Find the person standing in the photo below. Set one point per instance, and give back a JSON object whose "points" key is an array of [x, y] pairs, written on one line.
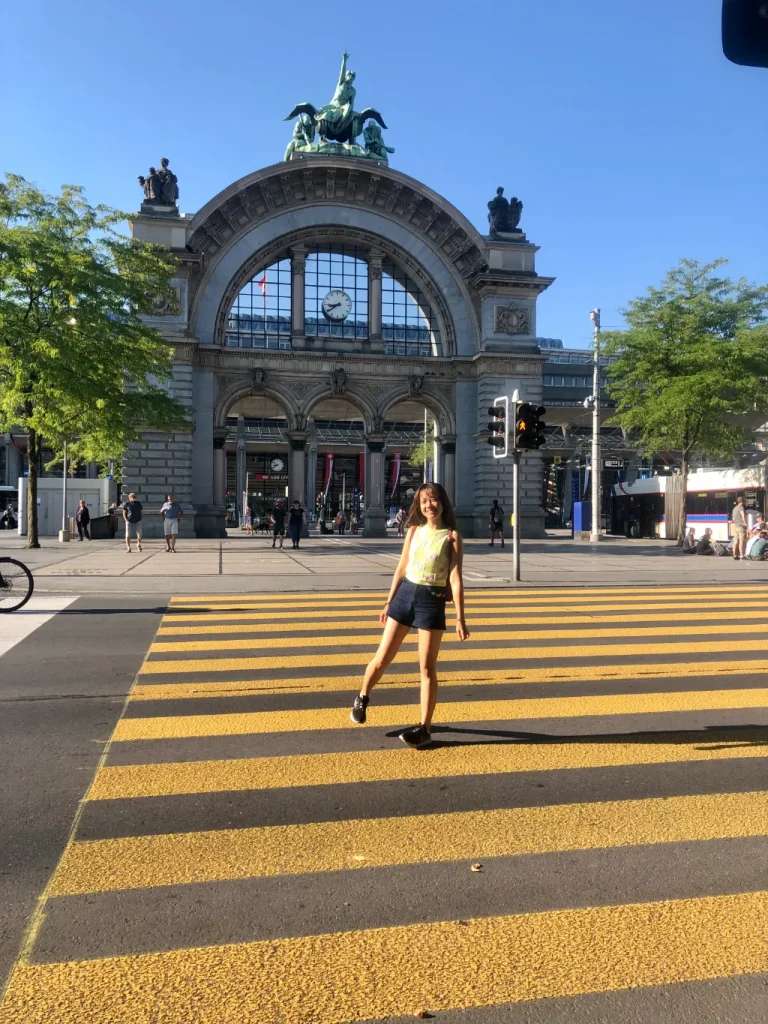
{"points": [[739, 521], [171, 511], [248, 519], [82, 519], [496, 522], [133, 511], [278, 523], [428, 571], [295, 523]]}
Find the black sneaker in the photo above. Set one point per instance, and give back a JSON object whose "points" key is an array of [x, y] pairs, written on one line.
{"points": [[357, 714], [416, 736]]}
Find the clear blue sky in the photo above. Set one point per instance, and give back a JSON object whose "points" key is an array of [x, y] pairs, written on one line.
{"points": [[628, 136]]}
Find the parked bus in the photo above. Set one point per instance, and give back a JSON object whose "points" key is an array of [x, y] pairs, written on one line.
{"points": [[646, 508]]}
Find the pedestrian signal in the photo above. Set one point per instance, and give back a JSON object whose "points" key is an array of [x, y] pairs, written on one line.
{"points": [[497, 427], [529, 426]]}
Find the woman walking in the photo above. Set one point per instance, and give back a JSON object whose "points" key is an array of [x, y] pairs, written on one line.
{"points": [[430, 563]]}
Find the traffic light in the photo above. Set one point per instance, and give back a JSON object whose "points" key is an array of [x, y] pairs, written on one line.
{"points": [[529, 427], [497, 427]]}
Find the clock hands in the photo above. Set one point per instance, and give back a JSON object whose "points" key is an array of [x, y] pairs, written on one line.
{"points": [[331, 305]]}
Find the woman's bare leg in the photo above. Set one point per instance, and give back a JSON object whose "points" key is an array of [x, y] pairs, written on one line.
{"points": [[429, 647], [391, 639]]}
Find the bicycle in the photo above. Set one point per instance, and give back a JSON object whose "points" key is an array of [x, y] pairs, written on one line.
{"points": [[16, 585]]}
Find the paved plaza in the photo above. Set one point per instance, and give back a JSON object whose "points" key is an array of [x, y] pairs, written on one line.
{"points": [[583, 840], [245, 564]]}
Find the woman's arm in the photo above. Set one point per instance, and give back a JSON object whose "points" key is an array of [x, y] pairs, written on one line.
{"points": [[457, 585], [399, 574]]}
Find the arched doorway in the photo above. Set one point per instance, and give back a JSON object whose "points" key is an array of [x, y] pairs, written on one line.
{"points": [[256, 457], [336, 463]]}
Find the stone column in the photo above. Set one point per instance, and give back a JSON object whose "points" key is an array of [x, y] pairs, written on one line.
{"points": [[438, 471], [311, 473], [219, 468], [298, 261], [448, 446], [375, 514], [296, 466], [240, 476], [375, 259]]}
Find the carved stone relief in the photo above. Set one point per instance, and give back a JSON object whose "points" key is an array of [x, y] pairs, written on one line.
{"points": [[512, 320]]}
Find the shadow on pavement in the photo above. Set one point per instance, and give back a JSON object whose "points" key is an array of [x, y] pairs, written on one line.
{"points": [[721, 737]]}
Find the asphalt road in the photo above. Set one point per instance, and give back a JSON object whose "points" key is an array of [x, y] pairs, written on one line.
{"points": [[584, 840]]}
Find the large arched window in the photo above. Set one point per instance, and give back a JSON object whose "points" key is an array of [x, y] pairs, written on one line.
{"points": [[336, 293], [260, 316], [336, 305], [407, 323]]}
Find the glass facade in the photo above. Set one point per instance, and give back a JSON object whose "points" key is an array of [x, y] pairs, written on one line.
{"points": [[260, 316], [406, 317], [339, 269]]}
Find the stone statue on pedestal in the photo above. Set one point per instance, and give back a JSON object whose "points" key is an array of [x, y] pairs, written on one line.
{"points": [[337, 124], [503, 214], [161, 189]]}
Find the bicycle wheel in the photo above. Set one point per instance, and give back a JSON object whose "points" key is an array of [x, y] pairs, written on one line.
{"points": [[16, 584]]}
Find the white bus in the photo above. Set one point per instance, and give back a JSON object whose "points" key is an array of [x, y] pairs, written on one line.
{"points": [[646, 508]]}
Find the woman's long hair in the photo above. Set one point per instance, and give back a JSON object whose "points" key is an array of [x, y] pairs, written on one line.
{"points": [[448, 516]]}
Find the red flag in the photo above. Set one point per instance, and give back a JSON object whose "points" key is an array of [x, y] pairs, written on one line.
{"points": [[262, 283]]}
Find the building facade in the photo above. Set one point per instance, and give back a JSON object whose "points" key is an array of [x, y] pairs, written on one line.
{"points": [[324, 305]]}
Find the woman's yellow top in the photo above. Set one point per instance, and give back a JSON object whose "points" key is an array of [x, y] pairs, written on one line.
{"points": [[429, 557]]}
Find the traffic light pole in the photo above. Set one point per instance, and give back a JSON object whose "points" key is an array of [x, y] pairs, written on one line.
{"points": [[516, 515], [594, 535]]}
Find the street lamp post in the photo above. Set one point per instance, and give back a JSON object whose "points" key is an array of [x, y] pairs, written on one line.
{"points": [[594, 535], [64, 532]]}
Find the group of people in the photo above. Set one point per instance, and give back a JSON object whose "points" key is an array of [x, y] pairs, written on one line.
{"points": [[278, 518], [132, 511], [749, 542], [342, 521]]}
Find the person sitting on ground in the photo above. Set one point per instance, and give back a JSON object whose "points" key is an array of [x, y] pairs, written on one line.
{"points": [[689, 542], [704, 546], [758, 552]]}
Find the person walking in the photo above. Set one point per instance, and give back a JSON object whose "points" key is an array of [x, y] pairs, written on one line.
{"points": [[341, 522], [400, 518], [82, 520], [171, 511], [278, 523], [739, 521], [133, 511], [496, 522], [295, 523], [248, 520], [429, 571]]}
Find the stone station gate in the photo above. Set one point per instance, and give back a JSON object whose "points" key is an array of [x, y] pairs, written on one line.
{"points": [[327, 288]]}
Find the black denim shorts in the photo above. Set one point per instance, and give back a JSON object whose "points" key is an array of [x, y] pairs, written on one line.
{"points": [[422, 607]]}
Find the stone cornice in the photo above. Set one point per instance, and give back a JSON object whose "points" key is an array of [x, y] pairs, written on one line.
{"points": [[361, 365], [338, 182]]}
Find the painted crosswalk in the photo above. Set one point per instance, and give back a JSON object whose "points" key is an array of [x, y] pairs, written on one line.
{"points": [[591, 816]]}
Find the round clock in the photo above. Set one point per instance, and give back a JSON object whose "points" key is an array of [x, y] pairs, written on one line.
{"points": [[337, 305], [277, 465]]}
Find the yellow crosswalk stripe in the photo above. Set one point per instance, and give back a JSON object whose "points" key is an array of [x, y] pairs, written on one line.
{"points": [[399, 971], [301, 597], [463, 652], [356, 637], [331, 615], [121, 782], [369, 624], [178, 726], [184, 858]]}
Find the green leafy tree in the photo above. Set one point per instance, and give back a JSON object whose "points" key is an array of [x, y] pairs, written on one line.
{"points": [[690, 371], [424, 452], [78, 365]]}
